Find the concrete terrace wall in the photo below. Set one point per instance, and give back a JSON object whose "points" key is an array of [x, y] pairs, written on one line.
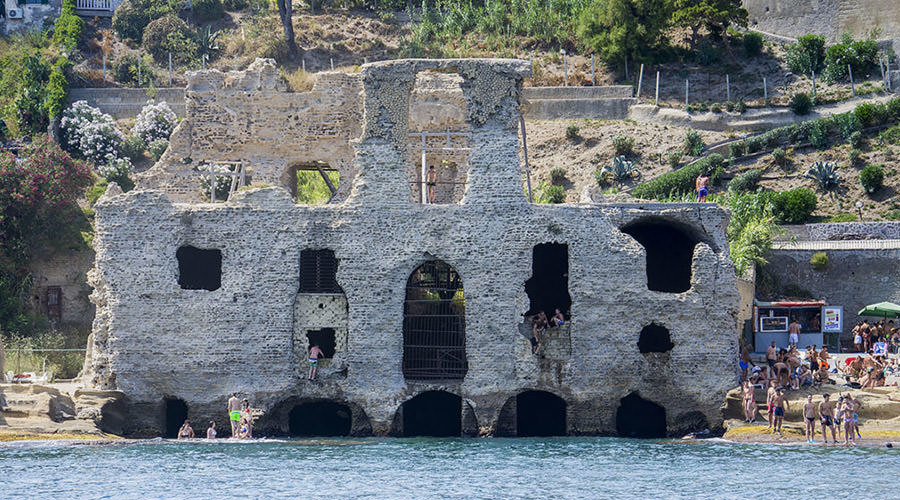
{"points": [[153, 339], [127, 103]]}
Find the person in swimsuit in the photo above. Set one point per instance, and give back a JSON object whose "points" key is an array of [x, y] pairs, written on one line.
{"points": [[558, 319], [771, 357], [535, 342], [838, 422], [783, 374], [314, 354], [211, 432], [234, 413], [812, 355], [431, 183], [809, 414], [794, 332], [780, 403], [770, 405], [246, 430], [826, 415], [847, 417], [186, 432], [745, 362], [702, 186], [749, 402]]}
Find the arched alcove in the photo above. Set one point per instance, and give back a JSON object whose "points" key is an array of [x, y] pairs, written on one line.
{"points": [[655, 338], [637, 417], [320, 418], [432, 413], [669, 248], [540, 413], [175, 412], [434, 324]]}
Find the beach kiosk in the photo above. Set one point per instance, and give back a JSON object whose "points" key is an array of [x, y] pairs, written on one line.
{"points": [[820, 324]]}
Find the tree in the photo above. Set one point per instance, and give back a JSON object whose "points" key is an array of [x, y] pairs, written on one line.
{"points": [[285, 11], [715, 15], [619, 29]]}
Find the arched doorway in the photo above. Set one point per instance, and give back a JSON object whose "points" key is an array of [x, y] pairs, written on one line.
{"points": [[540, 413], [670, 253], [432, 413], [637, 417], [320, 418], [176, 412], [434, 324]]}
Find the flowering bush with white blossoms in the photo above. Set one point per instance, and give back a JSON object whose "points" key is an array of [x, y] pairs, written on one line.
{"points": [[155, 121], [90, 133], [118, 170], [222, 182]]}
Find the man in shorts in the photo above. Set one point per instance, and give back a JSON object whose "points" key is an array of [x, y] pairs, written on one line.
{"points": [[781, 404], [809, 414], [234, 413], [314, 354], [771, 357], [794, 332], [770, 405], [826, 414]]}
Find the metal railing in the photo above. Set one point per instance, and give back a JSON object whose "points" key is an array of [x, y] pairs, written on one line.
{"points": [[107, 5]]}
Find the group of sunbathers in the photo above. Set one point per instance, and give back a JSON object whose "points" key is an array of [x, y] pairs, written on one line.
{"points": [[539, 323]]}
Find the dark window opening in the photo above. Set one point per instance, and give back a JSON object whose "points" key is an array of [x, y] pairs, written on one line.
{"points": [[323, 338], [313, 183], [548, 287], [655, 338], [670, 252], [433, 413], [320, 418], [639, 418], [434, 324], [318, 272], [54, 302], [176, 411], [540, 413], [199, 268]]}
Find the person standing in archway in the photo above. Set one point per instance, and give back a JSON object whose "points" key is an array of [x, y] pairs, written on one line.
{"points": [[234, 413], [431, 183], [314, 354]]}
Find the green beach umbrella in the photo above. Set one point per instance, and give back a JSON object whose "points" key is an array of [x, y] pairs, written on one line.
{"points": [[881, 310]]}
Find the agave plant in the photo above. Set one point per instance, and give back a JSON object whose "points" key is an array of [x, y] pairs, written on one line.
{"points": [[621, 169], [208, 41], [825, 173]]}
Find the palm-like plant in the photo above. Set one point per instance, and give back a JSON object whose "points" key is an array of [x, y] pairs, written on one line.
{"points": [[825, 173], [208, 41], [621, 169]]}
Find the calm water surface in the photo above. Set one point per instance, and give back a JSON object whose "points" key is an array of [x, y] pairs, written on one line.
{"points": [[524, 468]]}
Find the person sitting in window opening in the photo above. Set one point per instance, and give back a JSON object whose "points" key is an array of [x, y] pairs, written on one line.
{"points": [[314, 354], [702, 186], [558, 320], [211, 432], [431, 183], [186, 432]]}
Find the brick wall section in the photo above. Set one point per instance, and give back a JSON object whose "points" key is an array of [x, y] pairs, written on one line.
{"points": [[153, 339], [854, 230]]}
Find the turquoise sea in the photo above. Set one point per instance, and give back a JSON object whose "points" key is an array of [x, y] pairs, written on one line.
{"points": [[430, 468]]}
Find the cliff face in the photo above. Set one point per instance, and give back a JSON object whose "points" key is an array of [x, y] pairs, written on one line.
{"points": [[246, 323]]}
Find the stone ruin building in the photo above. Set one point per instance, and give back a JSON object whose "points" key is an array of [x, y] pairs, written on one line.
{"points": [[421, 305]]}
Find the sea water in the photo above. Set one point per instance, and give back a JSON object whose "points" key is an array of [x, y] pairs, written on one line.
{"points": [[426, 468]]}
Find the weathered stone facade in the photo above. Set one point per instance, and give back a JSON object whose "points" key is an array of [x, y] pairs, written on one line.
{"points": [[154, 339]]}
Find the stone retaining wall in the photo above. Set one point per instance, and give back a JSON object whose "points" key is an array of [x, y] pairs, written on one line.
{"points": [[127, 103], [854, 231]]}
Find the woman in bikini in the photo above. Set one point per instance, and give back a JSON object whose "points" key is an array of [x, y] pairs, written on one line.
{"points": [[749, 402], [186, 432]]}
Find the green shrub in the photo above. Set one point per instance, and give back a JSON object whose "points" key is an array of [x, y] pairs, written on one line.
{"points": [[57, 90], [747, 181], [170, 34], [869, 114], [132, 16], [892, 108], [68, 27], [208, 10], [794, 206], [693, 143], [890, 136], [715, 107], [552, 194], [679, 182], [753, 44], [623, 145], [93, 193], [235, 5], [871, 178], [157, 148], [801, 104], [674, 158], [807, 55], [848, 124], [825, 174], [856, 140], [854, 156], [818, 134], [779, 157], [738, 149], [557, 175], [842, 217], [572, 132], [892, 215], [819, 261], [707, 54], [125, 70], [133, 147], [860, 55]]}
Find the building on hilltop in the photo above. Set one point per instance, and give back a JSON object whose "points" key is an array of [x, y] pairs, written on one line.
{"points": [[420, 303]]}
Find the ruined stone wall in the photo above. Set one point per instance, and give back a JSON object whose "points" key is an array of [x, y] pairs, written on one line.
{"points": [[153, 339], [65, 269]]}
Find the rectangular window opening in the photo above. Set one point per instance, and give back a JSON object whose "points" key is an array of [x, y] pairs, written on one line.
{"points": [[318, 272], [323, 338], [199, 268]]}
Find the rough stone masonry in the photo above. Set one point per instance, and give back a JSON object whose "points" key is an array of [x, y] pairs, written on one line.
{"points": [[157, 341]]}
